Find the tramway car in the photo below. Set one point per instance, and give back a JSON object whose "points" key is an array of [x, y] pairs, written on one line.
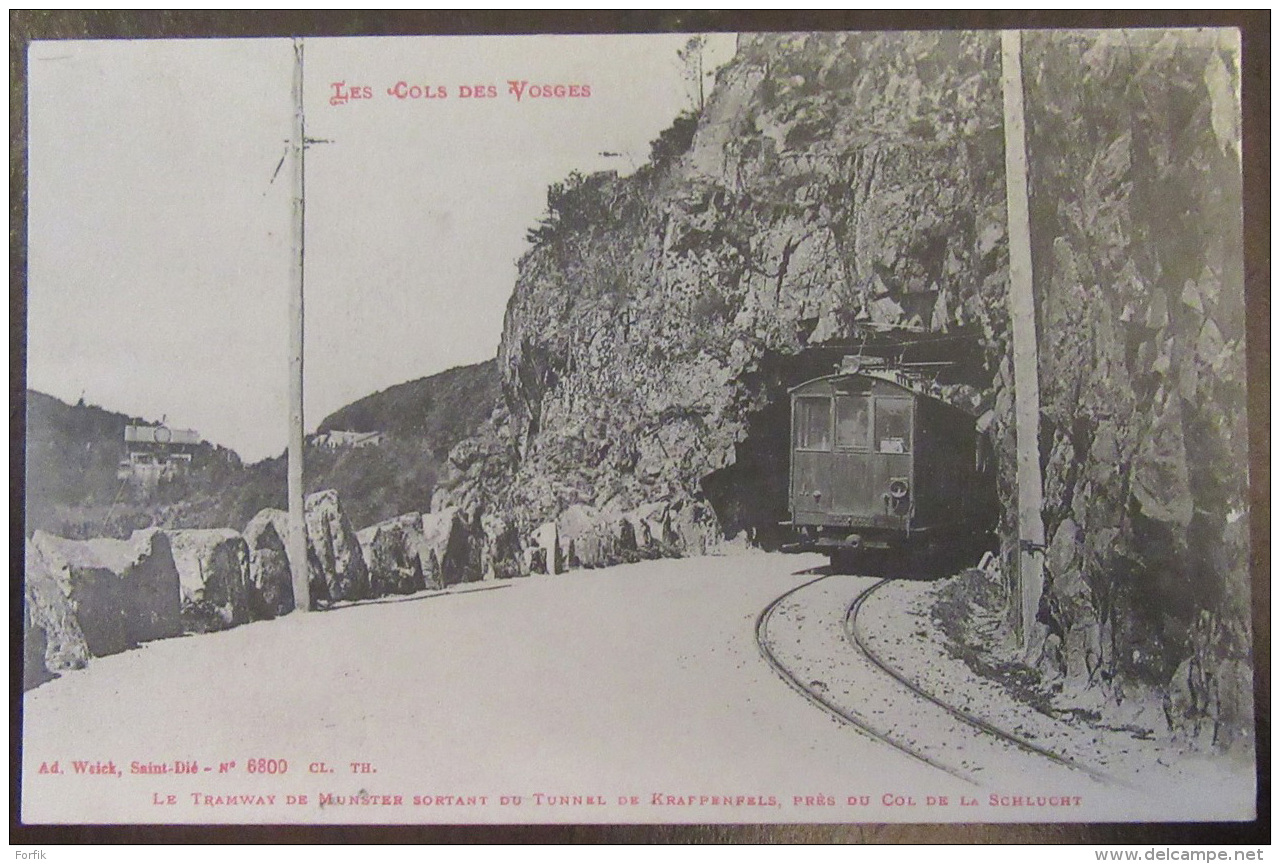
{"points": [[881, 467]]}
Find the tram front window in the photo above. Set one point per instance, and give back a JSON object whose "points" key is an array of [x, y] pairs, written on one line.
{"points": [[813, 424]]}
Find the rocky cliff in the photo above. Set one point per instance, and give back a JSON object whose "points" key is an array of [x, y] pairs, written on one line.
{"points": [[1134, 141], [831, 180], [838, 184]]}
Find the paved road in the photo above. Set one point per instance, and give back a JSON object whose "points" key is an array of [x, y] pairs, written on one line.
{"points": [[639, 680]]}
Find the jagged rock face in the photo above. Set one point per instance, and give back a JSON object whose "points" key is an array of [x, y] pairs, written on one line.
{"points": [[392, 555], [117, 593], [837, 180], [479, 468], [815, 193], [270, 587], [1136, 205], [213, 570]]}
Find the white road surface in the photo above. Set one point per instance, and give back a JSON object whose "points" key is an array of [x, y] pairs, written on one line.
{"points": [[632, 694]]}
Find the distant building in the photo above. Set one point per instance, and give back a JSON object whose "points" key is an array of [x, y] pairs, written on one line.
{"points": [[156, 453], [339, 439]]}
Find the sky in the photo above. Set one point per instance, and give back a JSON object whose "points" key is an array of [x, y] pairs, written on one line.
{"points": [[159, 243]]}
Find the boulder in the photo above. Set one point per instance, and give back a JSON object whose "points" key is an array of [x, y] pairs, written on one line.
{"points": [[693, 527], [430, 568], [611, 541], [118, 592], [150, 583], [471, 519], [270, 588], [534, 560], [449, 536], [651, 524], [337, 569], [392, 556], [213, 570], [546, 539], [572, 525], [35, 643], [500, 550], [589, 538], [53, 630]]}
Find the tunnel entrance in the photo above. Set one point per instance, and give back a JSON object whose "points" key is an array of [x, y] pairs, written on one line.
{"points": [[750, 497]]}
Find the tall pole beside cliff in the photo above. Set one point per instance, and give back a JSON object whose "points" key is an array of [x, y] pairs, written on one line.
{"points": [[297, 540], [1022, 317]]}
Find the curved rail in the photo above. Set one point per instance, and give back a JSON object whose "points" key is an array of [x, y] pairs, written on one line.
{"points": [[762, 621], [859, 641]]}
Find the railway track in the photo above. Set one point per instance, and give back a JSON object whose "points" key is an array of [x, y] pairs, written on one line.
{"points": [[862, 724], [907, 699]]}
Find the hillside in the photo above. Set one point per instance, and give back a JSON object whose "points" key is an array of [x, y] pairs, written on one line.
{"points": [[439, 410], [73, 450], [71, 456]]}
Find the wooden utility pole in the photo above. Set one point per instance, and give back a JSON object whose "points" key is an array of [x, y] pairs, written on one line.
{"points": [[297, 540], [1022, 317]]}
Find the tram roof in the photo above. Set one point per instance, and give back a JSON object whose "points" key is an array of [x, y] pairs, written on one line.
{"points": [[907, 381], [888, 379]]}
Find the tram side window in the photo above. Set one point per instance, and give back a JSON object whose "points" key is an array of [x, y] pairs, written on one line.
{"points": [[853, 422], [893, 425], [813, 424]]}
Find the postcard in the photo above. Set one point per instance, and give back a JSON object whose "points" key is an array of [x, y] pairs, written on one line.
{"points": [[807, 427]]}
